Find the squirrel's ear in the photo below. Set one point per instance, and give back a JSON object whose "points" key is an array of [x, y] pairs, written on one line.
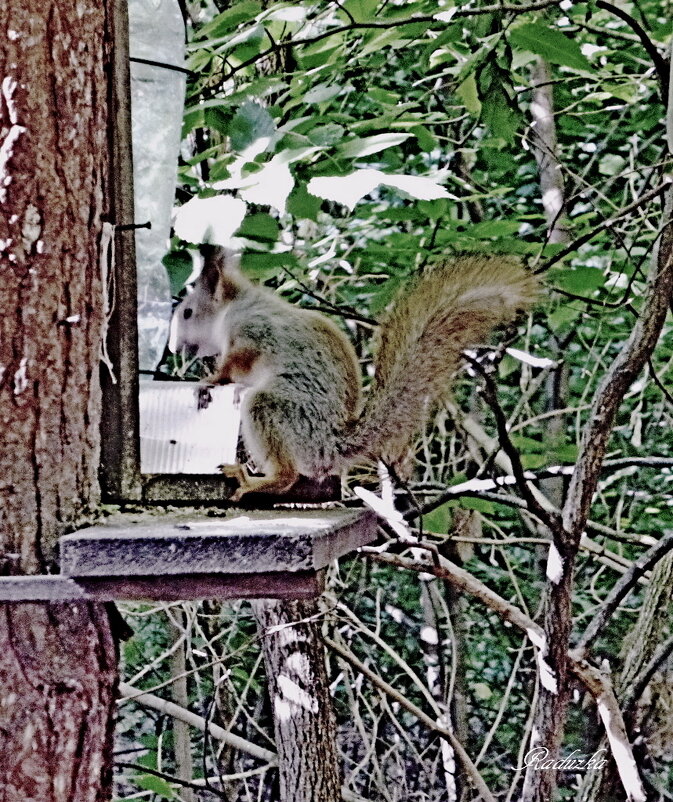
{"points": [[220, 267]]}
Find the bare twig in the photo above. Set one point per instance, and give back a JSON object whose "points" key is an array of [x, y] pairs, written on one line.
{"points": [[187, 784], [393, 693], [552, 707], [620, 591], [634, 691], [129, 693], [597, 683], [490, 395], [496, 8], [621, 374], [648, 45], [606, 224]]}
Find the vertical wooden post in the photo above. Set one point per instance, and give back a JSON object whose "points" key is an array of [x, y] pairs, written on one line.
{"points": [[304, 720]]}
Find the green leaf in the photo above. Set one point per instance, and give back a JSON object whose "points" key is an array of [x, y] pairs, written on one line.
{"points": [[493, 228], [426, 141], [241, 11], [179, 266], [378, 40], [384, 97], [524, 443], [499, 114], [550, 43], [611, 164], [433, 209], [250, 123], [467, 91], [626, 92], [263, 266], [567, 452], [498, 111], [579, 280], [302, 204], [360, 10], [325, 135], [260, 227], [478, 504], [385, 293], [159, 786], [371, 144], [534, 461], [562, 317], [322, 92], [482, 691], [438, 521]]}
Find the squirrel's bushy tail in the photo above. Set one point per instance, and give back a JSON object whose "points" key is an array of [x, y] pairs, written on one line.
{"points": [[452, 306]]}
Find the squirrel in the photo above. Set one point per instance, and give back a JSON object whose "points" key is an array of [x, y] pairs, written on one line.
{"points": [[302, 413]]}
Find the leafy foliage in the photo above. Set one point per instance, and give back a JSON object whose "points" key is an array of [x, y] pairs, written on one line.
{"points": [[364, 139]]}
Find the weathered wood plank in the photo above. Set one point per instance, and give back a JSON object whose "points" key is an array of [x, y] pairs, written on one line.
{"points": [[199, 488], [242, 544], [277, 585]]}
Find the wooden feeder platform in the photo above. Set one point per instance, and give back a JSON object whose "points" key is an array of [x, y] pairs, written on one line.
{"points": [[181, 556]]}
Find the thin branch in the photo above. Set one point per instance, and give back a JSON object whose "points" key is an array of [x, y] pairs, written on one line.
{"points": [[611, 221], [491, 397], [431, 724], [552, 706], [162, 65], [171, 779], [653, 375], [431, 19], [129, 693], [636, 688], [621, 589], [597, 683], [648, 45], [619, 377]]}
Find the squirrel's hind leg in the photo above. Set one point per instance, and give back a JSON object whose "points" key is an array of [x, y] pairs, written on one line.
{"points": [[278, 478]]}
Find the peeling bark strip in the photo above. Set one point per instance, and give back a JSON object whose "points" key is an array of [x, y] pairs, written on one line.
{"points": [[305, 725], [57, 662]]}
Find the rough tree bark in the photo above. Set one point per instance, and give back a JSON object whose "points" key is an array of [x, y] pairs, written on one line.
{"points": [[305, 725], [57, 662], [654, 619], [182, 746]]}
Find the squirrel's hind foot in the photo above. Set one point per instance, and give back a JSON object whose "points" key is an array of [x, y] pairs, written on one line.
{"points": [[278, 479]]}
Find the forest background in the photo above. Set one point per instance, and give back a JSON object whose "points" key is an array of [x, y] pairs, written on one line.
{"points": [[361, 141]]}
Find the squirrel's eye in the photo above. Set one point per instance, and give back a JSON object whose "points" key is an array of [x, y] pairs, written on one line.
{"points": [[187, 313]]}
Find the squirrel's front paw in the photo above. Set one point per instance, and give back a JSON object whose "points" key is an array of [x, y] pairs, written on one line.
{"points": [[232, 472]]}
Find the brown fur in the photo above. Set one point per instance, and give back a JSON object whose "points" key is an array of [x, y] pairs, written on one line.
{"points": [[302, 413]]}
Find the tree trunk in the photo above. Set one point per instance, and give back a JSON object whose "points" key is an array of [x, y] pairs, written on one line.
{"points": [[305, 724], [639, 647], [57, 662], [182, 745]]}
